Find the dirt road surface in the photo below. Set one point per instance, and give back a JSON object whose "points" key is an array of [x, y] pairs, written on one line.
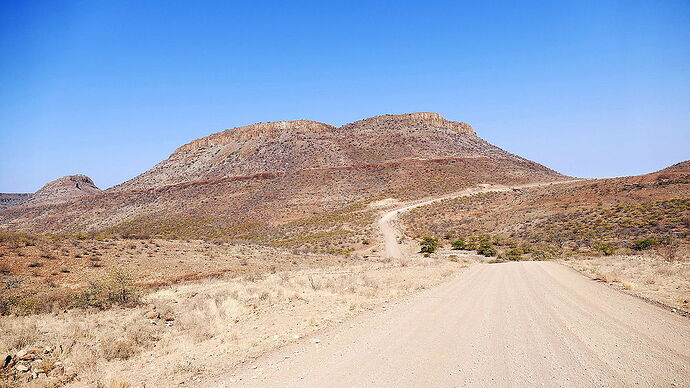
{"points": [[512, 324]]}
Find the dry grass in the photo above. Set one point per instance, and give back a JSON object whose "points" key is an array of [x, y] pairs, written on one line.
{"points": [[50, 273], [647, 275], [186, 331]]}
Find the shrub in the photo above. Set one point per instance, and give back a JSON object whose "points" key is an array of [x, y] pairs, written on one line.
{"points": [[644, 244], [541, 254], [486, 249], [117, 288], [606, 249], [515, 254], [458, 244], [428, 245]]}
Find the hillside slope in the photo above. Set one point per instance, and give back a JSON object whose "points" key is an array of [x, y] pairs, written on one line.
{"points": [[571, 218]]}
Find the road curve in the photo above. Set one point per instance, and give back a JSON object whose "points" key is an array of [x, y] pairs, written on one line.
{"points": [[391, 233], [511, 324]]}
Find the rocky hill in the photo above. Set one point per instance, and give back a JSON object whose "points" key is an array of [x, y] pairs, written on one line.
{"points": [[678, 167], [273, 179], [65, 189]]}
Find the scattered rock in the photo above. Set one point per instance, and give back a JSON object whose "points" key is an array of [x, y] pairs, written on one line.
{"points": [[29, 355], [22, 367]]}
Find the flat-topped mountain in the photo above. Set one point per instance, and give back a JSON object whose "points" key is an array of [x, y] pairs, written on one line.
{"points": [[262, 180], [285, 146]]}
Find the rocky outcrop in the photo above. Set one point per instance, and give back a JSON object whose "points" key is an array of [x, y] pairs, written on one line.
{"points": [[431, 119], [248, 132]]}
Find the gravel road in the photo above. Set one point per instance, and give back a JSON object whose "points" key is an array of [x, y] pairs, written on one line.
{"points": [[510, 324]]}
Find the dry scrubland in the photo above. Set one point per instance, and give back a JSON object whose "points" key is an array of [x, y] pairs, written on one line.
{"points": [[188, 330], [51, 273], [279, 218]]}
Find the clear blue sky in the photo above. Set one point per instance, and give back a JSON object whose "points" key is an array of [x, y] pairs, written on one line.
{"points": [[109, 88]]}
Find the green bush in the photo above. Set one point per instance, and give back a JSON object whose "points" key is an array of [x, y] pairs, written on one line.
{"points": [[644, 244], [515, 254], [606, 249], [486, 249], [428, 245], [459, 244], [541, 254]]}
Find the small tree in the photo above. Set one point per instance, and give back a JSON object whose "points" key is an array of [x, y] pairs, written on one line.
{"points": [[428, 245], [119, 287]]}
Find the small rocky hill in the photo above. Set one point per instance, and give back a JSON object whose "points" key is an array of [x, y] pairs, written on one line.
{"points": [[65, 189]]}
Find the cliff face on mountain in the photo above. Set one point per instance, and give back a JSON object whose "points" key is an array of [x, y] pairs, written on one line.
{"points": [[246, 180]]}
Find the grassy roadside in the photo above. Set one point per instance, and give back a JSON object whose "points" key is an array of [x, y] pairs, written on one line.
{"points": [[184, 332], [649, 276]]}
